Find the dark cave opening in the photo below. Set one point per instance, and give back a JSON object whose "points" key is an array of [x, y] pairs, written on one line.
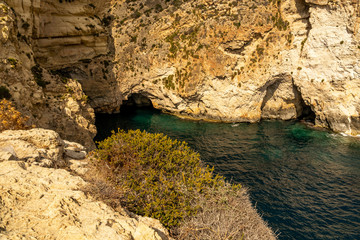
{"points": [[137, 104], [304, 110], [307, 114], [136, 100]]}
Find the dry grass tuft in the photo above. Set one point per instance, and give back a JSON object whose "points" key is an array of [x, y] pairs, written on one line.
{"points": [[102, 186], [226, 214]]}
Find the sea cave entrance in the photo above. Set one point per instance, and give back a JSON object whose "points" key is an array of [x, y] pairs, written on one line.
{"points": [[307, 114], [133, 110], [136, 100]]}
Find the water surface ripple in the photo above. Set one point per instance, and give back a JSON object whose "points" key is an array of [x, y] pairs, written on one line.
{"points": [[305, 183]]}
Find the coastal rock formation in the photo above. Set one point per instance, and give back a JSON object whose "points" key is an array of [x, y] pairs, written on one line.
{"points": [[36, 146], [241, 60], [51, 101], [210, 59], [329, 77], [71, 37], [47, 203]]}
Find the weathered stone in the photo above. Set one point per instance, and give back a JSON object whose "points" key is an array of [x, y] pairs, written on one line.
{"points": [[45, 203], [201, 59], [79, 166], [46, 105], [318, 2], [209, 60], [218, 66], [35, 145], [75, 146], [74, 154], [7, 154]]}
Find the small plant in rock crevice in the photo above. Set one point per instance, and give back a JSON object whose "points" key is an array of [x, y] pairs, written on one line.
{"points": [[10, 118]]}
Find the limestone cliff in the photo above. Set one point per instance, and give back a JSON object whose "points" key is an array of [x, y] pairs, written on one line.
{"points": [[52, 101], [209, 59], [242, 60], [41, 202]]}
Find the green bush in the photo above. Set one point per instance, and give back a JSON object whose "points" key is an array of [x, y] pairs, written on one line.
{"points": [[161, 177]]}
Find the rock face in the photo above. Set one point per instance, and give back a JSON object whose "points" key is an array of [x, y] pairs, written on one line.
{"points": [[37, 146], [47, 203], [208, 59], [51, 101], [242, 61], [330, 76], [71, 37]]}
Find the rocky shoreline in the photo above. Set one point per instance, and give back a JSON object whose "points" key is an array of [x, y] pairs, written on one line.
{"points": [[211, 60]]}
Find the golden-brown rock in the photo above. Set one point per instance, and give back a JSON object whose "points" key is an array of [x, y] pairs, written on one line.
{"points": [[50, 100], [46, 203], [242, 60], [209, 59]]}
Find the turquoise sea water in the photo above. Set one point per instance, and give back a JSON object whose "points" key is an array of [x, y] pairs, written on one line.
{"points": [[305, 183]]}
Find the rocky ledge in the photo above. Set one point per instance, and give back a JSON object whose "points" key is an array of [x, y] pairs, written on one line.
{"points": [[40, 201]]}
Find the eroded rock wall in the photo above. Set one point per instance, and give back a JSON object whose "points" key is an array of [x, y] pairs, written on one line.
{"points": [[51, 101], [329, 77], [210, 59], [242, 60], [72, 36]]}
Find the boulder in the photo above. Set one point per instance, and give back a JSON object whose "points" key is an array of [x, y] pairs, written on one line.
{"points": [[36, 145]]}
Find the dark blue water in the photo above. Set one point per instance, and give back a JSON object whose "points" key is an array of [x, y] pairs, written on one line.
{"points": [[305, 183]]}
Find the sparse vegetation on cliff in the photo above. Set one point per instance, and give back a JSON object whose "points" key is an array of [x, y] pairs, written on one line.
{"points": [[161, 175], [10, 118]]}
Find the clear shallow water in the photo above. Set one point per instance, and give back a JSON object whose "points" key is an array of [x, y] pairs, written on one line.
{"points": [[305, 183]]}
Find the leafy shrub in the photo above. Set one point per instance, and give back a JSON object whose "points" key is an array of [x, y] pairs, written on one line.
{"points": [[10, 118], [155, 176], [162, 177]]}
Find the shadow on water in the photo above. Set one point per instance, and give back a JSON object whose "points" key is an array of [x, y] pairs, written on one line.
{"points": [[305, 183]]}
